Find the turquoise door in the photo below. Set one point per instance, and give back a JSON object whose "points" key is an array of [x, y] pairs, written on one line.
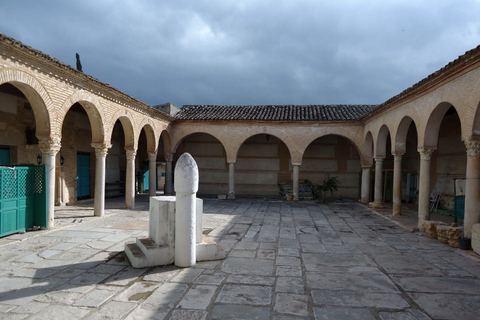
{"points": [[146, 177], [4, 155], [83, 175]]}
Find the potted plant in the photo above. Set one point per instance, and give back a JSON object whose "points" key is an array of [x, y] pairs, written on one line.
{"points": [[329, 184]]}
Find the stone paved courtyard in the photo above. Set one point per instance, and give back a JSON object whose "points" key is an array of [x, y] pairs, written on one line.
{"points": [[285, 261]]}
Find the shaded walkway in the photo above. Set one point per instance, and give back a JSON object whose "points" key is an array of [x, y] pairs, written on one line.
{"points": [[286, 261]]}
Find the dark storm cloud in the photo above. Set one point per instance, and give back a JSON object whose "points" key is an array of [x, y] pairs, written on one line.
{"points": [[250, 52]]}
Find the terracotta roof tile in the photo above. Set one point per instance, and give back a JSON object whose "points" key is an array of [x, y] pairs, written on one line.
{"points": [[274, 112]]}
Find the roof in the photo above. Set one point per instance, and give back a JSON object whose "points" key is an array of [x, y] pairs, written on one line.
{"points": [[274, 112]]}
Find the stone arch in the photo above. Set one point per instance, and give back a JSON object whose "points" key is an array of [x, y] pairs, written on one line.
{"points": [[401, 135], [167, 143], [152, 139], [36, 94], [381, 146], [180, 139], [475, 134], [433, 124], [94, 110], [267, 134], [125, 118]]}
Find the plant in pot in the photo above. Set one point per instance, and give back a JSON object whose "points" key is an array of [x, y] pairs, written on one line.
{"points": [[329, 184]]}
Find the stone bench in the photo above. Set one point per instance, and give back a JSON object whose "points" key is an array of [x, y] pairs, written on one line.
{"points": [[431, 227], [448, 234]]}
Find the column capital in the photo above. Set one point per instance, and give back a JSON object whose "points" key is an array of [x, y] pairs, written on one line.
{"points": [[169, 157], [366, 166], [131, 153], [50, 145], [397, 155], [379, 159], [296, 163], [473, 148], [425, 153], [101, 149], [152, 156]]}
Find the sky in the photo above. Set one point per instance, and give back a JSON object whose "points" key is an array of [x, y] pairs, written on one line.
{"points": [[250, 52]]}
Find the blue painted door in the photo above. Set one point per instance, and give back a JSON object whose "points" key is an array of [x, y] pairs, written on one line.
{"points": [[4, 155], [146, 177], [83, 175]]}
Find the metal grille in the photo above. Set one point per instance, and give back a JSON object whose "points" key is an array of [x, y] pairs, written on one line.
{"points": [[9, 183]]}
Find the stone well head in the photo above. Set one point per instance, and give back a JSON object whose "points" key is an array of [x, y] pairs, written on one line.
{"points": [[186, 174]]}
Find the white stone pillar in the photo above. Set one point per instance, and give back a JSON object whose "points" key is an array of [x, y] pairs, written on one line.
{"points": [[99, 200], [296, 178], [231, 181], [397, 183], [365, 192], [130, 179], [424, 186], [152, 174], [378, 193], [50, 148], [472, 187], [186, 186], [168, 173]]}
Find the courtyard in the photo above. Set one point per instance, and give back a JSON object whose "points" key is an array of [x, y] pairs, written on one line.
{"points": [[286, 260]]}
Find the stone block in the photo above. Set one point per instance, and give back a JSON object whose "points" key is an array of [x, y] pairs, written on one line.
{"points": [[453, 234], [476, 238], [162, 220], [442, 233], [430, 227]]}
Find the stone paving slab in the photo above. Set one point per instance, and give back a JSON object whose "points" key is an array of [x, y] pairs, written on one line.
{"points": [[286, 260]]}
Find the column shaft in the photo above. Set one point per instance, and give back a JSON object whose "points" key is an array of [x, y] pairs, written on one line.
{"points": [[99, 200], [50, 148], [424, 186], [472, 188], [397, 184], [231, 181], [152, 174], [130, 179], [378, 192], [365, 192], [169, 173], [296, 178]]}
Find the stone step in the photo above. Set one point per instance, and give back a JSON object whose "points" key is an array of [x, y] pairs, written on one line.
{"points": [[209, 250], [156, 255], [135, 255]]}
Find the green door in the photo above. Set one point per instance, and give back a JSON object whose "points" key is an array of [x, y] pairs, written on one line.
{"points": [[83, 175]]}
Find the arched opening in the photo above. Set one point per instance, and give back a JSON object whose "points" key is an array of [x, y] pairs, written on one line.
{"points": [[263, 162], [210, 157], [18, 128], [77, 174], [116, 161], [163, 153], [141, 164], [333, 155], [448, 161], [407, 143]]}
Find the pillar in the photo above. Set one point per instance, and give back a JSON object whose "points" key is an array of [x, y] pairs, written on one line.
{"points": [[231, 181], [397, 183], [130, 178], [50, 148], [378, 193], [99, 200], [186, 186], [168, 173], [472, 187], [152, 174], [296, 178], [424, 186], [365, 193]]}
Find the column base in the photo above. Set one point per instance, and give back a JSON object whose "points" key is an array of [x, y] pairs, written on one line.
{"points": [[397, 210], [376, 205], [231, 196]]}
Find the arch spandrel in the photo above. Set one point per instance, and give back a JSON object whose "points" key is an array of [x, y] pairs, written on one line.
{"points": [[37, 95], [94, 110]]}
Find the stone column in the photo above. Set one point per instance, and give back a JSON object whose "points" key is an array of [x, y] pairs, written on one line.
{"points": [[186, 186], [365, 193], [472, 187], [397, 183], [231, 181], [101, 151], [152, 174], [424, 186], [296, 178], [130, 179], [378, 194], [50, 148], [168, 173]]}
